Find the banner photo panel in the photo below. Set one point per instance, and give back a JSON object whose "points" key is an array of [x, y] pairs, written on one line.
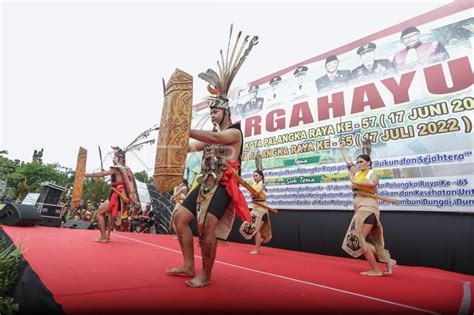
{"points": [[409, 93]]}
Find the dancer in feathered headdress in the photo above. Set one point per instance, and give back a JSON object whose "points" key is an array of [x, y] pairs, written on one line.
{"points": [[217, 198], [124, 193]]}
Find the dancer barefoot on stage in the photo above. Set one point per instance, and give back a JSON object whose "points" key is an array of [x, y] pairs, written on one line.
{"points": [[122, 196], [366, 219], [260, 227], [217, 198]]}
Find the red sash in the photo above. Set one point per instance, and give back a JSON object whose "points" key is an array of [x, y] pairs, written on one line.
{"points": [[232, 187]]}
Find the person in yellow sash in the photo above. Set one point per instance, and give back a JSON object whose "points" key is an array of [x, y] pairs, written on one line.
{"points": [[366, 218], [178, 197], [260, 227], [181, 192]]}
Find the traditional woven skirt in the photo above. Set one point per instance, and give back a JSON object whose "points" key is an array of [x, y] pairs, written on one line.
{"points": [[354, 242], [248, 230]]}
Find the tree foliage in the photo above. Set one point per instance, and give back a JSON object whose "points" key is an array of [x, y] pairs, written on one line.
{"points": [[143, 177], [95, 191], [23, 178], [38, 155]]}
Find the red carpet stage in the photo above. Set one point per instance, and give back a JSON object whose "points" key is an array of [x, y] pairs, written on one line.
{"points": [[128, 276]]}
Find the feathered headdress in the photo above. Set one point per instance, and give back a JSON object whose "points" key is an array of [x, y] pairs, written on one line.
{"points": [[367, 147], [118, 152], [219, 84], [259, 161], [136, 144]]}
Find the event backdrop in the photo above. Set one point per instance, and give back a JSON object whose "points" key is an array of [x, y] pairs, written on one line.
{"points": [[416, 107]]}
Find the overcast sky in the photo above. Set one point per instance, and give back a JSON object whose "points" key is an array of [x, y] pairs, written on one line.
{"points": [[89, 73]]}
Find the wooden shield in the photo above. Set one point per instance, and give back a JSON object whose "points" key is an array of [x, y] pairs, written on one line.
{"points": [[173, 137], [79, 178]]}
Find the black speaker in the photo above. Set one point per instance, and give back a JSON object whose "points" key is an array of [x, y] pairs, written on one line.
{"points": [[51, 221], [19, 215], [83, 225], [51, 193], [49, 210]]}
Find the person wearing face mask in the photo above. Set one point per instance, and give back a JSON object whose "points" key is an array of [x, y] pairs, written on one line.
{"points": [[366, 218], [123, 194]]}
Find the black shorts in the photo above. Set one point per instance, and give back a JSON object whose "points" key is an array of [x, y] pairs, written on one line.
{"points": [[219, 202], [371, 219]]}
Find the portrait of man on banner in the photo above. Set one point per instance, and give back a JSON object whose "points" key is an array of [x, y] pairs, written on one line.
{"points": [[370, 66], [417, 52], [334, 77], [276, 94], [299, 76], [255, 103]]}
